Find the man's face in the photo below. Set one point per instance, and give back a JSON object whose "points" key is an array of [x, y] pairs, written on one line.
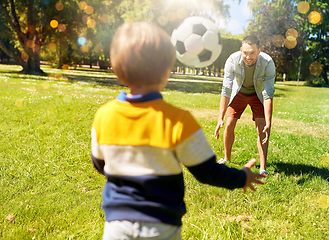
{"points": [[249, 53]]}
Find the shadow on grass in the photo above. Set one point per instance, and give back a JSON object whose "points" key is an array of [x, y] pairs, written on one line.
{"points": [[298, 169]]}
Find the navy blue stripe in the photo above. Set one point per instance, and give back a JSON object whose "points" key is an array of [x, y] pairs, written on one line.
{"points": [[139, 98], [98, 164], [145, 198]]}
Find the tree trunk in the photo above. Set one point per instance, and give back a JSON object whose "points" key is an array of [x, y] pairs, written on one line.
{"points": [[325, 74], [33, 65]]}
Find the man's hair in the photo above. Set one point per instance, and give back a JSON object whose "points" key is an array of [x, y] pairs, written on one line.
{"points": [[251, 40], [141, 53]]}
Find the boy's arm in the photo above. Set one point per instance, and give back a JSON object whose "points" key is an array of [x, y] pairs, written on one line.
{"points": [[212, 173], [96, 154]]}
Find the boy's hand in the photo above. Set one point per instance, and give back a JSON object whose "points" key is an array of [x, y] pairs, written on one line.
{"points": [[251, 176]]}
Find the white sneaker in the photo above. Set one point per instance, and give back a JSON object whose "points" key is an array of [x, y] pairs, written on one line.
{"points": [[221, 161], [263, 172]]}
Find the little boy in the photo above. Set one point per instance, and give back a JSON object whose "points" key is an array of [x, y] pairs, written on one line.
{"points": [[139, 143]]}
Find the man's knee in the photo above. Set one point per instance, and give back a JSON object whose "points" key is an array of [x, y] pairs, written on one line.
{"points": [[230, 124]]}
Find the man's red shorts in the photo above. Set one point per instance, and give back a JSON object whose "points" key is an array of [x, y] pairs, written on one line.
{"points": [[240, 102]]}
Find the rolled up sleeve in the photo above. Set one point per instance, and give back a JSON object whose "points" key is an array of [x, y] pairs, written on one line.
{"points": [[270, 74], [228, 78]]}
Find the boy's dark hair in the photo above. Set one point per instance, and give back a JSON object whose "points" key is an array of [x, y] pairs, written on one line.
{"points": [[141, 53], [251, 40]]}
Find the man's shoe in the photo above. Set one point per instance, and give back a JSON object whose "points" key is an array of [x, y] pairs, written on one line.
{"points": [[222, 161], [263, 172]]}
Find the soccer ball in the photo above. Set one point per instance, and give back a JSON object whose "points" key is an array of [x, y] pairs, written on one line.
{"points": [[197, 41]]}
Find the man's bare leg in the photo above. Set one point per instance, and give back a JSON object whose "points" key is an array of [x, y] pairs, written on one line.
{"points": [[229, 137], [262, 148]]}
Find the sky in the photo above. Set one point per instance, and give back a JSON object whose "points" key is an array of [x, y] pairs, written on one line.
{"points": [[239, 17]]}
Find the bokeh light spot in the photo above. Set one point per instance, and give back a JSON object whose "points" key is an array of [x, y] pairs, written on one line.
{"points": [[58, 76], [182, 13], [25, 56], [67, 99], [36, 47], [314, 17], [291, 34], [65, 67], [171, 16], [105, 18], [53, 23], [45, 85], [83, 5], [278, 40], [30, 43], [89, 10], [82, 40], [324, 160], [162, 20], [316, 68], [45, 2], [59, 6], [303, 7], [291, 38], [52, 46], [91, 23], [290, 44], [19, 102], [323, 201], [85, 19], [31, 29], [84, 48], [61, 27]]}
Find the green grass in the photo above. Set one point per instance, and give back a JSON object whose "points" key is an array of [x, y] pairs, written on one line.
{"points": [[49, 189]]}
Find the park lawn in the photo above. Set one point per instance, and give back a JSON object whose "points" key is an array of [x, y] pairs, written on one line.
{"points": [[50, 190]]}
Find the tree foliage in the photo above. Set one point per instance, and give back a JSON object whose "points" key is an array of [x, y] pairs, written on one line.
{"points": [[273, 22], [26, 32]]}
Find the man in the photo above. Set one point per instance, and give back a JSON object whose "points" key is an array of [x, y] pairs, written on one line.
{"points": [[248, 79]]}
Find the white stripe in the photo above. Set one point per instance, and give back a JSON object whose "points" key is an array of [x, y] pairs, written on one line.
{"points": [[95, 150], [139, 160], [194, 150]]}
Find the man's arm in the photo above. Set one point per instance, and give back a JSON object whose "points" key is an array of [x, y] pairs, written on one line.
{"points": [[226, 93], [222, 110], [268, 109]]}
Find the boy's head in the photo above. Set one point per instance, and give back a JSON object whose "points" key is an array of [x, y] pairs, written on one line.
{"points": [[141, 54]]}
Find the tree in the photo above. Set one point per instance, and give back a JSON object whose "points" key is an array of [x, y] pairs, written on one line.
{"points": [[24, 33], [230, 45], [318, 42], [273, 21], [50, 29]]}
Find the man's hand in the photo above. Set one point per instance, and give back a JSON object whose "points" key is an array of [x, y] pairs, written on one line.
{"points": [[220, 124], [251, 176], [266, 130]]}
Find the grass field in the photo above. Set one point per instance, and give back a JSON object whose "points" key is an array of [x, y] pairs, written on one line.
{"points": [[49, 189]]}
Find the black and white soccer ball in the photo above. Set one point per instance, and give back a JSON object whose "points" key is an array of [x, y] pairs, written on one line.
{"points": [[197, 41]]}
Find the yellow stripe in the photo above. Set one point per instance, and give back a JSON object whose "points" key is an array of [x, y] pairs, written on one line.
{"points": [[153, 123]]}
